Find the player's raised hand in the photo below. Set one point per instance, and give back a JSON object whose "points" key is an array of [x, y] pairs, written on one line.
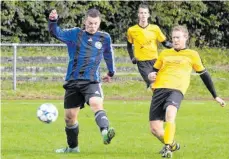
{"points": [[53, 15], [220, 101], [152, 76]]}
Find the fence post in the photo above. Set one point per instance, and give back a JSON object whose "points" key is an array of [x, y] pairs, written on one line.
{"points": [[15, 66]]}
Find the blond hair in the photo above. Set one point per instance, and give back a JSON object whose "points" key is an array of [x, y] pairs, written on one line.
{"points": [[182, 29]]}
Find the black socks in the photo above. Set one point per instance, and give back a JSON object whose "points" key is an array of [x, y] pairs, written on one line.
{"points": [[72, 135]]}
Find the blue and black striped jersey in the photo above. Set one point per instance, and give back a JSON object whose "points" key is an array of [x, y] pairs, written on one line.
{"points": [[85, 52]]}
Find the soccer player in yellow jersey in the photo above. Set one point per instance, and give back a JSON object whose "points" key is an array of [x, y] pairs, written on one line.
{"points": [[171, 77], [145, 38]]}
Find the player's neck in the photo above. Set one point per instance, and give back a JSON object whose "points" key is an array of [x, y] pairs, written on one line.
{"points": [[179, 49], [143, 24]]}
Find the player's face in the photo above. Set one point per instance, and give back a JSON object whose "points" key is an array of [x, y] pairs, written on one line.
{"points": [[92, 24], [179, 40], [143, 14]]}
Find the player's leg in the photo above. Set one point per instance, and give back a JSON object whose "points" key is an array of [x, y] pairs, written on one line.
{"points": [[71, 130], [94, 97], [170, 128], [73, 100], [172, 105], [157, 129], [96, 104], [169, 134], [170, 125], [157, 114], [144, 68]]}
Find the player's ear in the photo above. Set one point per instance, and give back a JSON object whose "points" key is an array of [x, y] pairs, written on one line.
{"points": [[84, 21], [186, 36]]}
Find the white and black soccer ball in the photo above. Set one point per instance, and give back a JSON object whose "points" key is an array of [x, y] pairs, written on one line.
{"points": [[47, 113]]}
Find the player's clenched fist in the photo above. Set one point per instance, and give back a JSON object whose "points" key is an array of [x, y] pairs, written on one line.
{"points": [[53, 15], [152, 76]]}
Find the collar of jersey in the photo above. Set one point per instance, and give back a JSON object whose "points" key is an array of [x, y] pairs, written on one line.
{"points": [[89, 33], [143, 27], [180, 49]]}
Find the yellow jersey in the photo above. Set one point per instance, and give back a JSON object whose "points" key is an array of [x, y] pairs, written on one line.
{"points": [[175, 69], [145, 41]]}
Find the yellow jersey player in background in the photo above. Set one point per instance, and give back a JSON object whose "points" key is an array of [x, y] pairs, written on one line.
{"points": [[171, 77], [145, 38]]}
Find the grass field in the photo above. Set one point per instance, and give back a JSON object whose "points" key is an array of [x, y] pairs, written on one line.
{"points": [[202, 130]]}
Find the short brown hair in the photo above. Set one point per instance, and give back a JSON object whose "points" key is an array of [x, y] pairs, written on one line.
{"points": [[144, 6], [93, 13]]}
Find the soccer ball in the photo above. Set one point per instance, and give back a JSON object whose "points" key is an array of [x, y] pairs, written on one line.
{"points": [[47, 113]]}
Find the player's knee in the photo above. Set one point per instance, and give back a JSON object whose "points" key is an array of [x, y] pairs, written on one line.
{"points": [[70, 120], [171, 112], [96, 103], [154, 130]]}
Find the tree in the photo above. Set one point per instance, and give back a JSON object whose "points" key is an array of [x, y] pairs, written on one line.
{"points": [[207, 21]]}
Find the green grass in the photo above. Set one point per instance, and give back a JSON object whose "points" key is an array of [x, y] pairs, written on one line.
{"points": [[202, 130]]}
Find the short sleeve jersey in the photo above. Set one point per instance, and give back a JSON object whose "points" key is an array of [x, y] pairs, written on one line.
{"points": [[145, 41], [175, 69]]}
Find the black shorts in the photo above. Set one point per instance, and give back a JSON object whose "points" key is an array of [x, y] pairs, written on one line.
{"points": [[162, 98], [77, 93], [144, 68]]}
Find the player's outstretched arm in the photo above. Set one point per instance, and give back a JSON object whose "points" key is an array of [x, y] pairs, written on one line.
{"points": [[66, 35], [206, 78]]}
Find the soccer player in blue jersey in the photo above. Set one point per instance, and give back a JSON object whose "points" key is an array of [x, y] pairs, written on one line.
{"points": [[86, 48]]}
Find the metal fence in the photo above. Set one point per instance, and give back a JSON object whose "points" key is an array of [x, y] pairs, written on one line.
{"points": [[15, 45]]}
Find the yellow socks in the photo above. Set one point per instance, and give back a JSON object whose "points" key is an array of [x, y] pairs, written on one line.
{"points": [[169, 132]]}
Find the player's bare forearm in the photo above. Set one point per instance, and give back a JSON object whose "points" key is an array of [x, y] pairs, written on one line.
{"points": [[220, 101]]}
